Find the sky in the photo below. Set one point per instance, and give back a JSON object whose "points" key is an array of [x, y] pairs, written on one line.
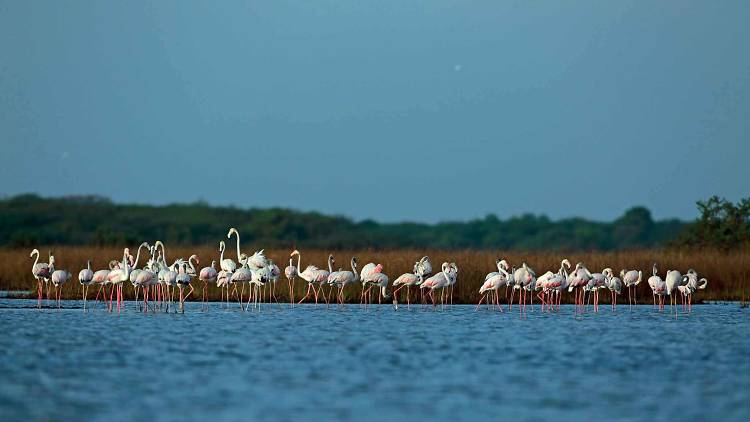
{"points": [[393, 110]]}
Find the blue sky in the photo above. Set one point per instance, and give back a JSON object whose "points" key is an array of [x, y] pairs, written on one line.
{"points": [[393, 110]]}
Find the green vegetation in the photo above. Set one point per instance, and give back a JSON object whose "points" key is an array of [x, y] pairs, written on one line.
{"points": [[30, 220], [722, 225]]}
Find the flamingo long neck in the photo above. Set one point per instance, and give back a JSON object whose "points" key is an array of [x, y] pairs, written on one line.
{"points": [[126, 268], [163, 254], [330, 264], [299, 262], [238, 244], [190, 262], [354, 270], [137, 256], [88, 265], [36, 261]]}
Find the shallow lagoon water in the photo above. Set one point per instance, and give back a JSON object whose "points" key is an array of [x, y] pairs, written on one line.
{"points": [[352, 364]]}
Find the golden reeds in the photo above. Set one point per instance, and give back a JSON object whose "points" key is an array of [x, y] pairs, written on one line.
{"points": [[727, 272]]}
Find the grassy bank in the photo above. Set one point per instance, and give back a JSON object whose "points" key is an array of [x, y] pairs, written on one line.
{"points": [[727, 273]]}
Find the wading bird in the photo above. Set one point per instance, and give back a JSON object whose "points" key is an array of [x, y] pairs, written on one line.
{"points": [[41, 272]]}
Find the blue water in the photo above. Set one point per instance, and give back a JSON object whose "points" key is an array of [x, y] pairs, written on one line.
{"points": [[313, 363]]}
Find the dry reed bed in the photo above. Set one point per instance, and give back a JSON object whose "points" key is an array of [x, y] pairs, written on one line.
{"points": [[727, 272]]}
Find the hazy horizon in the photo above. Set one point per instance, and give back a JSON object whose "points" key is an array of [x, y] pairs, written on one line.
{"points": [[427, 111]]}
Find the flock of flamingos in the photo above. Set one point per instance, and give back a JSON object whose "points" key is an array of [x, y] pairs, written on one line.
{"points": [[157, 280]]}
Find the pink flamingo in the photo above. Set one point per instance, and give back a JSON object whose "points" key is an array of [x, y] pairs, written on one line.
{"points": [[494, 281], [341, 279], [207, 275]]}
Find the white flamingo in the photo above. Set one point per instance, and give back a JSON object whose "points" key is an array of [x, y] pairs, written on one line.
{"points": [[691, 283], [631, 279], [226, 264], [41, 272], [291, 274], [578, 280], [522, 277], [183, 281], [59, 278], [672, 281], [597, 282], [311, 275], [658, 287], [614, 284], [243, 275], [239, 253], [86, 278]]}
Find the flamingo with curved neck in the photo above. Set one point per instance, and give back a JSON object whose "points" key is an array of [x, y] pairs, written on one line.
{"points": [[229, 236]]}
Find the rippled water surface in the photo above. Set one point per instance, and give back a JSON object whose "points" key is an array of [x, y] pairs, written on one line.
{"points": [[313, 363]]}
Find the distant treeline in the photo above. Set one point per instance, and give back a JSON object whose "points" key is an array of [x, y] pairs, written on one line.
{"points": [[29, 220]]}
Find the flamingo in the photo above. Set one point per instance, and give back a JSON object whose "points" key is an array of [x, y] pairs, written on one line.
{"points": [[631, 279], [223, 280], [341, 279], [242, 275], [257, 260], [41, 272], [118, 276], [135, 271], [275, 273], [145, 280], [226, 264], [522, 277], [259, 278], [690, 285], [58, 278], [543, 286], [423, 267], [494, 281], [86, 278], [207, 275], [379, 280], [368, 274], [183, 280], [596, 282], [309, 275], [577, 281], [169, 279], [407, 280], [614, 284], [291, 273], [559, 282], [453, 280], [658, 287], [101, 277], [672, 281], [437, 281]]}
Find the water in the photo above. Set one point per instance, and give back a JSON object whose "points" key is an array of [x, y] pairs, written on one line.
{"points": [[312, 363]]}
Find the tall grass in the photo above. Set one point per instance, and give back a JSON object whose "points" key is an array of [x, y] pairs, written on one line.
{"points": [[727, 272]]}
